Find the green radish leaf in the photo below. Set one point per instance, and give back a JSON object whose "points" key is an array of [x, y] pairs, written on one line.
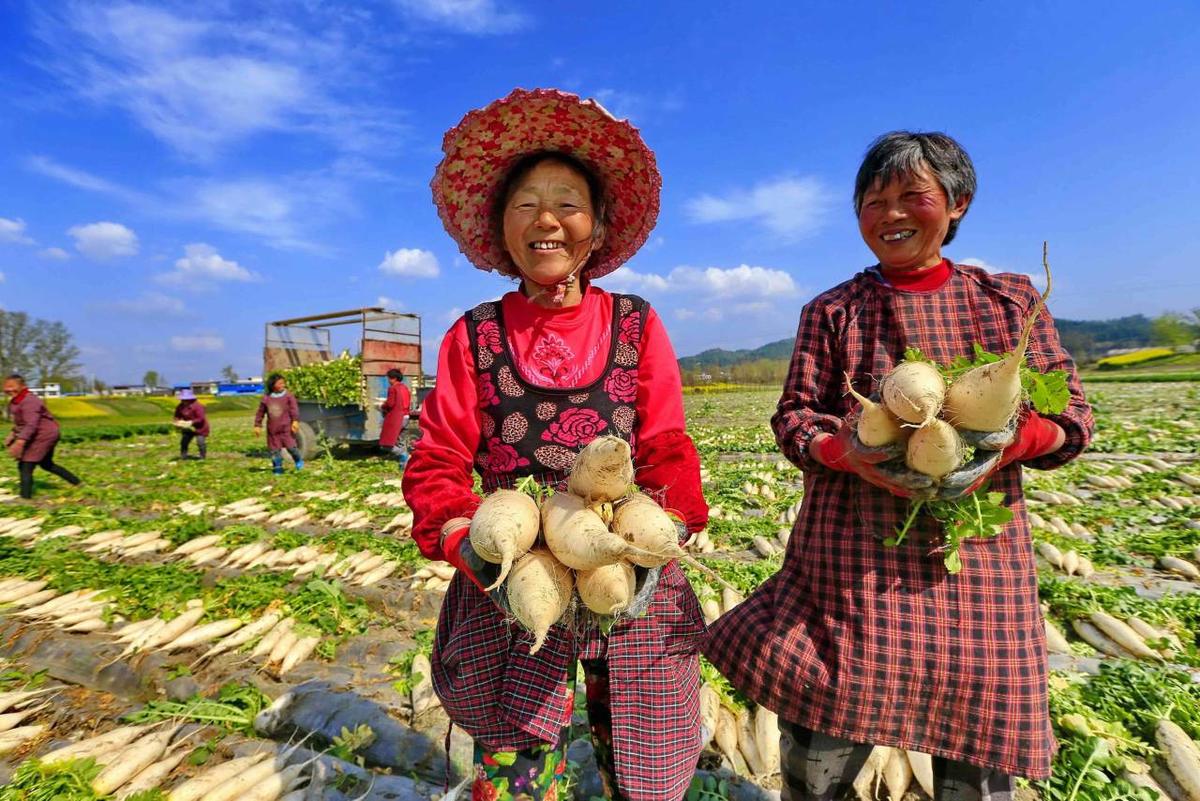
{"points": [[1048, 392]]}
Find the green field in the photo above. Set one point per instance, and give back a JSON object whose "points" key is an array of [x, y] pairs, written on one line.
{"points": [[108, 411]]}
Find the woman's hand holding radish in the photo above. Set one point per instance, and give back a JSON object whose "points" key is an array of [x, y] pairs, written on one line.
{"points": [[647, 586], [882, 466], [456, 545]]}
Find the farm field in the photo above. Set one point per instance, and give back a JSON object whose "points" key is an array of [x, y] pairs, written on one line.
{"points": [[315, 573]]}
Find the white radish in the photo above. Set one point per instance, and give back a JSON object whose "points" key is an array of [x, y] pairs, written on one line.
{"points": [[986, 398], [174, 628], [1070, 562], [710, 710], [15, 738], [1181, 756], [1123, 635], [922, 769], [197, 544], [93, 746], [935, 449], [1050, 553], [914, 392], [378, 574], [268, 642], [131, 760], [606, 590], [876, 425], [1098, 640], [872, 772], [12, 719], [14, 698], [747, 744], [25, 599], [603, 470], [726, 736], [203, 634], [1180, 566], [152, 777], [644, 524], [766, 738], [539, 590], [195, 789], [897, 775], [1056, 643], [578, 537], [298, 653], [285, 644], [241, 636], [504, 528]]}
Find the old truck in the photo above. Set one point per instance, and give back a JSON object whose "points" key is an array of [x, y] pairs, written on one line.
{"points": [[387, 340]]}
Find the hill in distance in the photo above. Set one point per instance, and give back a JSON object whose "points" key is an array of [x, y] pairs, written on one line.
{"points": [[1085, 339]]}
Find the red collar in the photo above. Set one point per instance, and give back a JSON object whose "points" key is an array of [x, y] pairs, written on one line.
{"points": [[919, 280], [20, 396]]}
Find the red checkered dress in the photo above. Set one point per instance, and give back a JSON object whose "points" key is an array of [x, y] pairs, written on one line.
{"points": [[490, 685], [880, 645]]}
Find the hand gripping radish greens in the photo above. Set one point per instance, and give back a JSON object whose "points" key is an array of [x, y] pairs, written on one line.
{"points": [[504, 528]]}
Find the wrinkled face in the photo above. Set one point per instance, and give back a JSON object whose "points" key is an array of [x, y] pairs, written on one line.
{"points": [[548, 223], [12, 387], [904, 222]]}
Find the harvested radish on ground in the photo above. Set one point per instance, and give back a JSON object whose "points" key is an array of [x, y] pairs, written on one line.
{"points": [[922, 768], [876, 425], [914, 391], [578, 537], [935, 449], [195, 789], [644, 524], [986, 398], [504, 528], [603, 470], [726, 736], [1181, 755], [897, 775], [606, 590], [539, 591], [1056, 643], [122, 766]]}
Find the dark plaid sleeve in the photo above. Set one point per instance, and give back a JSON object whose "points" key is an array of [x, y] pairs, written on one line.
{"points": [[1047, 353], [809, 393]]}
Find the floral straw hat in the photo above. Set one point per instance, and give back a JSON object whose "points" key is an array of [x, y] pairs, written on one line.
{"points": [[488, 141]]}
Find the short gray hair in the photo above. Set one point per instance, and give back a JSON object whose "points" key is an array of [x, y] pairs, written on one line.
{"points": [[900, 153]]}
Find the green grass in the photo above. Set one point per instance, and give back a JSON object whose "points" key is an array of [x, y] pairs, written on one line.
{"points": [[116, 413], [1132, 377]]}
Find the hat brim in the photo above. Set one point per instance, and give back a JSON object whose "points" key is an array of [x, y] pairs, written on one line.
{"points": [[479, 151]]}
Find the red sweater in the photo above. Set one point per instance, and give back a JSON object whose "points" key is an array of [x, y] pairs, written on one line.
{"points": [[553, 348]]}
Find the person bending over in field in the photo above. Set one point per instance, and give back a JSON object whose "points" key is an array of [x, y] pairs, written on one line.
{"points": [[193, 420], [552, 191], [283, 421], [34, 435], [855, 643]]}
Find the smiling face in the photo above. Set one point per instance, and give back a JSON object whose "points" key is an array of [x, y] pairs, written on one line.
{"points": [[904, 223], [549, 219], [12, 387]]}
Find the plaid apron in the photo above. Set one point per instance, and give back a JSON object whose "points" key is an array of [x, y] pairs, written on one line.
{"points": [[880, 645]]}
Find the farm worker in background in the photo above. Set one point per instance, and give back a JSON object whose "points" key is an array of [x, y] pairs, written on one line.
{"points": [[283, 421], [854, 643], [553, 192], [191, 411], [396, 409], [34, 435]]}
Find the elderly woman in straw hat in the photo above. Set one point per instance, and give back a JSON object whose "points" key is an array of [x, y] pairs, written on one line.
{"points": [[553, 192]]}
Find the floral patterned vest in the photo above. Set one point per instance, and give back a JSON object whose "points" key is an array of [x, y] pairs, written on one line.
{"points": [[536, 431]]}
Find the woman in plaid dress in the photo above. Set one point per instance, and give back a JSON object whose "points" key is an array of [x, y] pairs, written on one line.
{"points": [[553, 191], [855, 644]]}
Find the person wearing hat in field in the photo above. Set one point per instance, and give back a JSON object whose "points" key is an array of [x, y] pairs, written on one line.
{"points": [[34, 435], [193, 420], [282, 413], [396, 408], [859, 641], [553, 192]]}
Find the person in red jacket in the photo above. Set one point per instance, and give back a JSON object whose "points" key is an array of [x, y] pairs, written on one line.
{"points": [[553, 192], [282, 412], [190, 412], [396, 409], [858, 641], [34, 435]]}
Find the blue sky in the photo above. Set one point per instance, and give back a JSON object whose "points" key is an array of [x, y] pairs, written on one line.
{"points": [[173, 175]]}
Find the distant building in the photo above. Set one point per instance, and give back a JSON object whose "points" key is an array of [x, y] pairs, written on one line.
{"points": [[47, 391], [128, 390]]}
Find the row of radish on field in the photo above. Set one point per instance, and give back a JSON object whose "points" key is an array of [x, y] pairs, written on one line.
{"points": [[273, 639]]}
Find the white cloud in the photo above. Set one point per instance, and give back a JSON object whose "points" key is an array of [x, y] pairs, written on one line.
{"points": [[201, 266], [1038, 279], [464, 16], [104, 240], [14, 231], [742, 280], [2, 278], [198, 343], [790, 208], [627, 279], [634, 105], [411, 263], [150, 304], [54, 254], [83, 180], [206, 78], [451, 317], [389, 303], [711, 314]]}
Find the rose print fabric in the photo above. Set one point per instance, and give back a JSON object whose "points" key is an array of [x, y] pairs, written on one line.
{"points": [[548, 424]]}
